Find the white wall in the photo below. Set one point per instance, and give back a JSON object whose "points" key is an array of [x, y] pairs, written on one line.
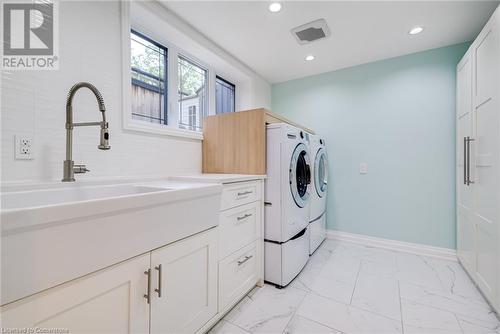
{"points": [[33, 102], [398, 116]]}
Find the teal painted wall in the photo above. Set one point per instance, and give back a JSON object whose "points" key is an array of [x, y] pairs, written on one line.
{"points": [[398, 116]]}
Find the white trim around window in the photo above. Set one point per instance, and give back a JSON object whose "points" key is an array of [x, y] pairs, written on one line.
{"points": [[172, 128]]}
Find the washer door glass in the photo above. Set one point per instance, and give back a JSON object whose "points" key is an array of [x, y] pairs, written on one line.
{"points": [[300, 175], [321, 172]]}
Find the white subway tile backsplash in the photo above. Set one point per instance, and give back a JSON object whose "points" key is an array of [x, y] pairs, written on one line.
{"points": [[34, 101]]}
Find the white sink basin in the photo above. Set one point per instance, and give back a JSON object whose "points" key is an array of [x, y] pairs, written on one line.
{"points": [[37, 198], [44, 197], [51, 234]]}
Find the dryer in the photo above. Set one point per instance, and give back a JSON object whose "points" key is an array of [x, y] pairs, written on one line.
{"points": [[287, 193], [317, 225]]}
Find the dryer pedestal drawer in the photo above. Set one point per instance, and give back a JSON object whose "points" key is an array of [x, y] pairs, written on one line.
{"points": [[239, 227], [318, 232], [238, 273]]}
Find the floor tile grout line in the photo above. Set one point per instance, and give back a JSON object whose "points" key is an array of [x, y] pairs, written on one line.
{"points": [[401, 309], [294, 312], [320, 323], [459, 325], [357, 308], [355, 282]]}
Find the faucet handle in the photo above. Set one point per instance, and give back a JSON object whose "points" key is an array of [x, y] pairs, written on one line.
{"points": [[80, 169]]}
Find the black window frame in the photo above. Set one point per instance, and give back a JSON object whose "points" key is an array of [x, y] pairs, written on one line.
{"points": [[151, 87], [219, 78], [203, 108]]}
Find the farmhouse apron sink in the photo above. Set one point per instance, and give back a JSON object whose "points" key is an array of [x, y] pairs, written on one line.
{"points": [[55, 233]]}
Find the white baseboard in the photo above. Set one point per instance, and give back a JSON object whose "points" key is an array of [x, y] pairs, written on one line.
{"points": [[400, 246]]}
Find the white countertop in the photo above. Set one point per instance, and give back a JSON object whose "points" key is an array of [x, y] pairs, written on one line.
{"points": [[218, 178]]}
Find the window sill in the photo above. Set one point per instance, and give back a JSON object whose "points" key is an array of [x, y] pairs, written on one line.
{"points": [[165, 130]]}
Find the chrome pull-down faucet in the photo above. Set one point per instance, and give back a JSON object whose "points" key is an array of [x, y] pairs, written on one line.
{"points": [[69, 167]]}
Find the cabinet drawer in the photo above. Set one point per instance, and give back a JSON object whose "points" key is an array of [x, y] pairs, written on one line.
{"points": [[240, 193], [238, 227], [237, 274]]}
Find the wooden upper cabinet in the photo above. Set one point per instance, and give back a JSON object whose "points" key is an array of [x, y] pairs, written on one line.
{"points": [[236, 142]]}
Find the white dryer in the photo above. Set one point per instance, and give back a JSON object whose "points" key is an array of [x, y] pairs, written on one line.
{"points": [[287, 193], [317, 225]]}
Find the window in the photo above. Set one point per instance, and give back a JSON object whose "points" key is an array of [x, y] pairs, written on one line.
{"points": [[192, 116], [224, 96], [149, 79], [193, 94]]}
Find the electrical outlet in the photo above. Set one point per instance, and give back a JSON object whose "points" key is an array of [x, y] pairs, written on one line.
{"points": [[23, 146]]}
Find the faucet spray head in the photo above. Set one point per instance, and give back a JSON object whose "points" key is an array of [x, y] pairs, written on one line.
{"points": [[104, 143]]}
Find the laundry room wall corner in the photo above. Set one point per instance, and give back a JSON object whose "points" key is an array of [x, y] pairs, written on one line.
{"points": [[398, 117]]}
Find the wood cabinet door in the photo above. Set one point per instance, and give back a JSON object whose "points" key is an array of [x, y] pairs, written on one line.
{"points": [[486, 147], [108, 301], [184, 290], [465, 221]]}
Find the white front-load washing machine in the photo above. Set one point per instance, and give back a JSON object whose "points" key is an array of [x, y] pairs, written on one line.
{"points": [[319, 163], [287, 193]]}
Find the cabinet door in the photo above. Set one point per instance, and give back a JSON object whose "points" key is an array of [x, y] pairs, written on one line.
{"points": [[465, 222], [108, 301], [486, 148], [188, 284]]}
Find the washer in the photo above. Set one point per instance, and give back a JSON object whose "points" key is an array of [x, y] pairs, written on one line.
{"points": [[287, 203], [317, 225]]}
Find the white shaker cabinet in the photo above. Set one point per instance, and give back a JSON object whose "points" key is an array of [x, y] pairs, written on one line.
{"points": [[486, 149], [478, 150], [184, 284], [465, 219], [108, 301], [172, 289]]}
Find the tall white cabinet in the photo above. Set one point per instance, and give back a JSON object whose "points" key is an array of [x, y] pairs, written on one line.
{"points": [[478, 150]]}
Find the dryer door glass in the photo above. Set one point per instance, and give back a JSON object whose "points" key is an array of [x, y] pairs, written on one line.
{"points": [[321, 172], [300, 175]]}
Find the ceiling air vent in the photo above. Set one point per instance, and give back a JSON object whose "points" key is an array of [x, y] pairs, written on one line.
{"points": [[311, 31]]}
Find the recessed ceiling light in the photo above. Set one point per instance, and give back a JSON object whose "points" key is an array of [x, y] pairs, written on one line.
{"points": [[310, 57], [275, 7], [416, 30]]}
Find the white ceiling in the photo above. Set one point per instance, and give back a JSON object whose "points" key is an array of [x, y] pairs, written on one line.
{"points": [[362, 32]]}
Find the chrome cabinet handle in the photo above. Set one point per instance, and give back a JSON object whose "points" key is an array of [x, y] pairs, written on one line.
{"points": [[248, 192], [465, 160], [469, 139], [248, 257], [148, 293], [245, 216], [158, 290]]}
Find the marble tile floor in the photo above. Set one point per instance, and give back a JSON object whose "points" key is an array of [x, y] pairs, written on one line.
{"points": [[350, 288]]}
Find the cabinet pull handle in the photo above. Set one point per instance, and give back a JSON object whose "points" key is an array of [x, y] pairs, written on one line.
{"points": [[148, 294], [245, 216], [159, 280], [248, 257], [248, 192], [469, 139], [465, 160]]}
